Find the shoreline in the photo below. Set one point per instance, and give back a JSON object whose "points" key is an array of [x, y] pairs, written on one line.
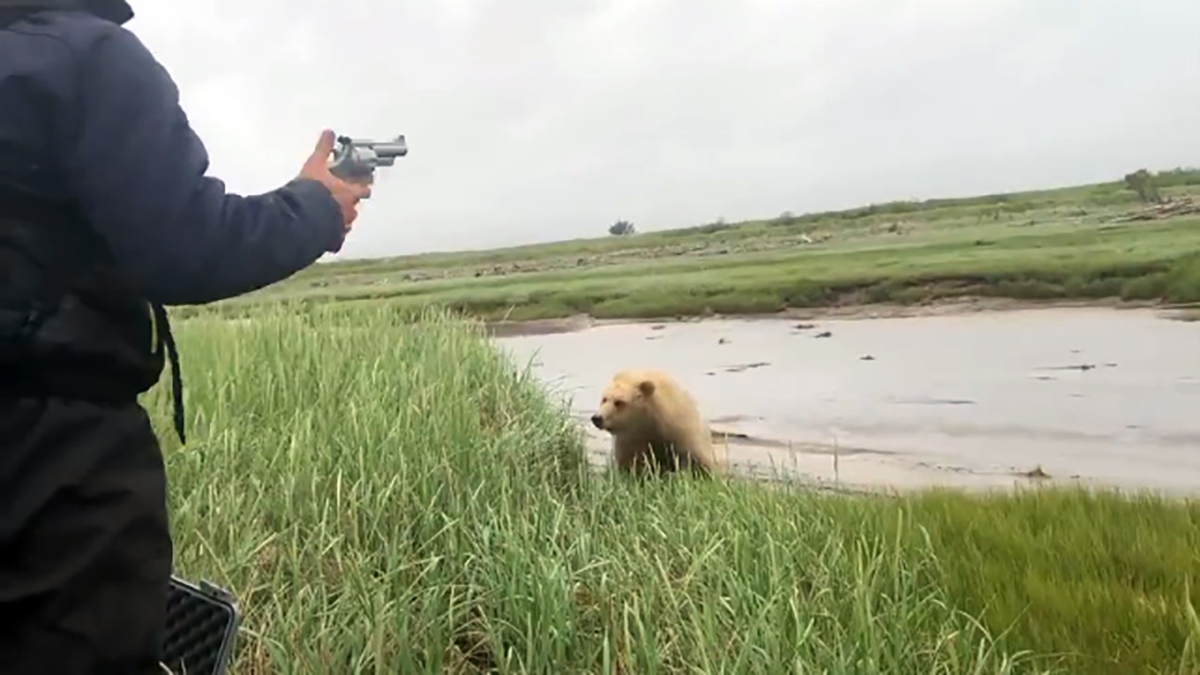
{"points": [[951, 307], [867, 473], [864, 473]]}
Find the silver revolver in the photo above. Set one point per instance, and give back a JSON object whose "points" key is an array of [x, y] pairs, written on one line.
{"points": [[355, 160]]}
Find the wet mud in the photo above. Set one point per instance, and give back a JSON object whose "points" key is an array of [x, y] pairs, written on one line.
{"points": [[975, 400]]}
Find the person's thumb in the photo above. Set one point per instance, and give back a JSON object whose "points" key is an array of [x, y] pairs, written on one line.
{"points": [[320, 156]]}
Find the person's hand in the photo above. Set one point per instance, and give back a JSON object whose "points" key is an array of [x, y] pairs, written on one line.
{"points": [[346, 194]]}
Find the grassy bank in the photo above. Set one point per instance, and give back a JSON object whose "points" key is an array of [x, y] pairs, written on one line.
{"points": [[1077, 243], [392, 497]]}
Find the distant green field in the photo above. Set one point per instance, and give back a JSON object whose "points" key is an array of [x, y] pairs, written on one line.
{"points": [[1072, 243]]}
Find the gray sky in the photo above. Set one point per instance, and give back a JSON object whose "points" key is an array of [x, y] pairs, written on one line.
{"points": [[535, 120]]}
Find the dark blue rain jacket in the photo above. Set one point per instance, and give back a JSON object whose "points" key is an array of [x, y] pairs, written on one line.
{"points": [[86, 112]]}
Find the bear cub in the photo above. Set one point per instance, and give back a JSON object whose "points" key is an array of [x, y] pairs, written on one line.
{"points": [[656, 426]]}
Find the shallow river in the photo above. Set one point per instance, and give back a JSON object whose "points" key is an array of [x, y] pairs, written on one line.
{"points": [[975, 400]]}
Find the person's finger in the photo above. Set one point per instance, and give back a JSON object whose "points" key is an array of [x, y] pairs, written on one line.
{"points": [[355, 191]]}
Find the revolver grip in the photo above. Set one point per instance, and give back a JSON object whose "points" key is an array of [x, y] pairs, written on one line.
{"points": [[352, 172]]}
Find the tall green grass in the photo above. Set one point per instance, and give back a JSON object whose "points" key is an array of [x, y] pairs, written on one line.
{"points": [[392, 496]]}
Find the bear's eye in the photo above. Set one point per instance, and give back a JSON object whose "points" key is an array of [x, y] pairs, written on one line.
{"points": [[619, 404]]}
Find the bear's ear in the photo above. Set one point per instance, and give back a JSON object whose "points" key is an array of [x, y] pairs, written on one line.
{"points": [[646, 387]]}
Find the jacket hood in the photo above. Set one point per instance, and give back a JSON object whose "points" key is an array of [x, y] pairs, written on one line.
{"points": [[116, 11]]}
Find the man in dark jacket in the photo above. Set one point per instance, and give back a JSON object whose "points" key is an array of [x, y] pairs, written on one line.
{"points": [[106, 215]]}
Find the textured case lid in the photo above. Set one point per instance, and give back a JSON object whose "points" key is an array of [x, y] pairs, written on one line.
{"points": [[201, 625]]}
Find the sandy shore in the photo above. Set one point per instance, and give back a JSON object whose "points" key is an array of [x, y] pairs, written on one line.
{"points": [[952, 307], [828, 467]]}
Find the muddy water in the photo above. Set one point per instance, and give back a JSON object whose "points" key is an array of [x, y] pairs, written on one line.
{"points": [[976, 400]]}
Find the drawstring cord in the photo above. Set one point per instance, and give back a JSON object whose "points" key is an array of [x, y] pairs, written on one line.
{"points": [[167, 340]]}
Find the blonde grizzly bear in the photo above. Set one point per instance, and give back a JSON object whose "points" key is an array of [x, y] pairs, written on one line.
{"points": [[656, 426]]}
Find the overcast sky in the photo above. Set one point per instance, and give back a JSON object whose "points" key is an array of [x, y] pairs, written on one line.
{"points": [[535, 120]]}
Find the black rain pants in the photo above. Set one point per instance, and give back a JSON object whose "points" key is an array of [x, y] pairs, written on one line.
{"points": [[85, 545]]}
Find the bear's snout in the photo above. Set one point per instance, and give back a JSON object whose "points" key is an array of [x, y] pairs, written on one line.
{"points": [[598, 421]]}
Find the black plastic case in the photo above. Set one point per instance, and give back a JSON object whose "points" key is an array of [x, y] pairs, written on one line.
{"points": [[202, 622]]}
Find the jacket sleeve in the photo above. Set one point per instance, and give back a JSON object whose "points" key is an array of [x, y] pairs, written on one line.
{"points": [[138, 169]]}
